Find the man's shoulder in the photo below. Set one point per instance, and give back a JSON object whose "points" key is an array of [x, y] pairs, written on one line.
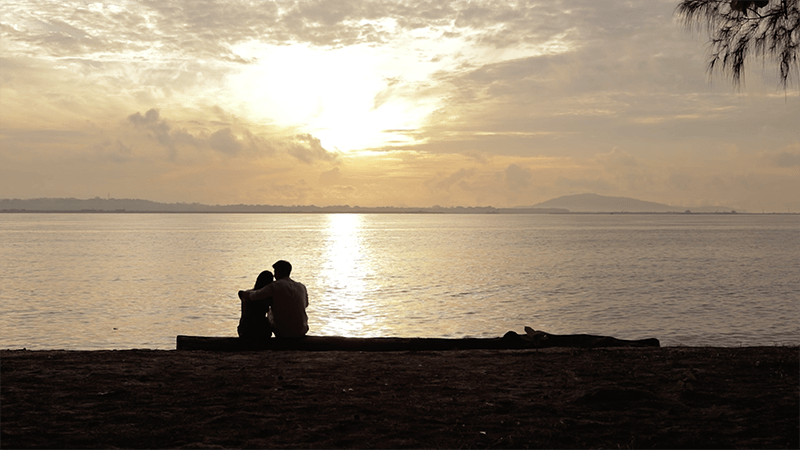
{"points": [[297, 283], [288, 280]]}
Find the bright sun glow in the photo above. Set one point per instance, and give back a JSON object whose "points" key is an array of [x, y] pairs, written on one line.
{"points": [[366, 95], [337, 95]]}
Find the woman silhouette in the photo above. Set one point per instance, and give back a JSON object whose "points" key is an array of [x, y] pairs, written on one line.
{"points": [[254, 322]]}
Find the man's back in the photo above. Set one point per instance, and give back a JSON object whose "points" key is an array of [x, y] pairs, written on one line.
{"points": [[289, 302]]}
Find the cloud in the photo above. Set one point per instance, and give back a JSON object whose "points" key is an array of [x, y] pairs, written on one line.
{"points": [[42, 136], [332, 176], [616, 159], [787, 158], [458, 177], [517, 177], [149, 119], [583, 185], [224, 141], [258, 145], [308, 149], [456, 102], [159, 129], [114, 151], [680, 181]]}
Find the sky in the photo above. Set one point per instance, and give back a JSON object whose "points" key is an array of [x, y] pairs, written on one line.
{"points": [[385, 103]]}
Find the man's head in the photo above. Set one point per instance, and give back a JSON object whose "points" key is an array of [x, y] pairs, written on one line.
{"points": [[282, 269]]}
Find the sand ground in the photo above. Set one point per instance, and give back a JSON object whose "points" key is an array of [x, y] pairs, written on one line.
{"points": [[671, 397]]}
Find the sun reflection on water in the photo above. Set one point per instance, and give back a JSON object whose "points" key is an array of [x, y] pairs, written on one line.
{"points": [[345, 306]]}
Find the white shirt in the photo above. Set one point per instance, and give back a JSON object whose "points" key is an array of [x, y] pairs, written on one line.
{"points": [[289, 303]]}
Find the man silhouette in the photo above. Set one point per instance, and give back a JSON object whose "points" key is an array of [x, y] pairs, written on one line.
{"points": [[288, 300]]}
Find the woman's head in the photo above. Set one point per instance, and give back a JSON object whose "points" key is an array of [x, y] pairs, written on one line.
{"points": [[264, 278]]}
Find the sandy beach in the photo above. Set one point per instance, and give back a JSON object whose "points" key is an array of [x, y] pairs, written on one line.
{"points": [[672, 397]]}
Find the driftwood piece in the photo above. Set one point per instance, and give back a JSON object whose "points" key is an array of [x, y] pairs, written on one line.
{"points": [[511, 340]]}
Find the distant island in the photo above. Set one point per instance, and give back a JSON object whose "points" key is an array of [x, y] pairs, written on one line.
{"points": [[582, 203], [593, 203], [113, 205]]}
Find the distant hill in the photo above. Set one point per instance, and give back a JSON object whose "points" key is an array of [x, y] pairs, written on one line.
{"points": [[582, 203], [114, 205], [604, 204]]}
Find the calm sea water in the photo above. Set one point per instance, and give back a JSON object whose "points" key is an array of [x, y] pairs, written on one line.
{"points": [[118, 281]]}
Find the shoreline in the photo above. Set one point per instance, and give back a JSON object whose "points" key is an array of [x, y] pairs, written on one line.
{"points": [[778, 345], [664, 397], [3, 351]]}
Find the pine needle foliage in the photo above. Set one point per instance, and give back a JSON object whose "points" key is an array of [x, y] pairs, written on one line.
{"points": [[739, 30]]}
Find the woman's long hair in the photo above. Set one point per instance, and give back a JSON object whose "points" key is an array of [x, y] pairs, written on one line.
{"points": [[264, 278]]}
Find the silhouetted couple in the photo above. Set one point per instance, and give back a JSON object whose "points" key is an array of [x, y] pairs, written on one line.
{"points": [[274, 306]]}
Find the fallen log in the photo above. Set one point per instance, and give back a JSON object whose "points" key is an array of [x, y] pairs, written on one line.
{"points": [[510, 341]]}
